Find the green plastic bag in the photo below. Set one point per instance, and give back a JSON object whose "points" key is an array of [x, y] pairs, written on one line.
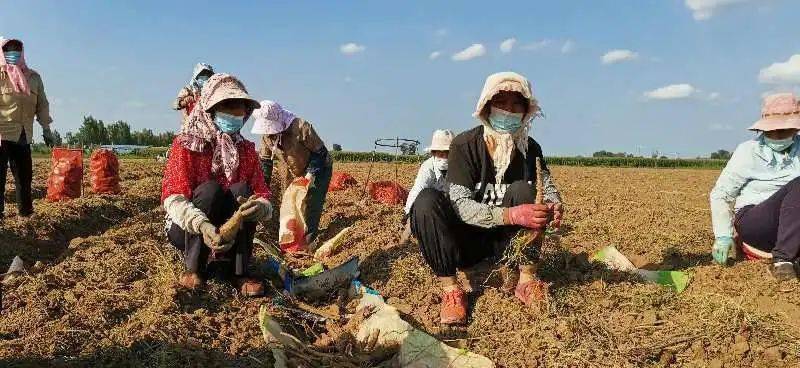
{"points": [[615, 260]]}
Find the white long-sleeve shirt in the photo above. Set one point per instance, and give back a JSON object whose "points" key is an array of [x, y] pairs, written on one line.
{"points": [[427, 177]]}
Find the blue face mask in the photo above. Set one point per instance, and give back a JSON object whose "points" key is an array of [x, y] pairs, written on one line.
{"points": [[779, 145], [200, 81], [228, 123], [504, 121], [12, 57]]}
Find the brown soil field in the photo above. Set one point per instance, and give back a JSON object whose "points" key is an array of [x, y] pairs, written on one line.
{"points": [[100, 289]]}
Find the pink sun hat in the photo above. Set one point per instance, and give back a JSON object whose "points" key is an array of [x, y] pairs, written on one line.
{"points": [[779, 111]]}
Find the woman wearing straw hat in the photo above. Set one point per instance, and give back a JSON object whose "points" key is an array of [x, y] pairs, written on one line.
{"points": [[761, 183], [431, 174], [303, 156], [212, 173]]}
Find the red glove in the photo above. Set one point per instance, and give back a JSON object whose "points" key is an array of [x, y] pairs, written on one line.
{"points": [[531, 216]]}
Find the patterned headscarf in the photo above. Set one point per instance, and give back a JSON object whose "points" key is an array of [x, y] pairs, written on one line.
{"points": [[16, 73], [501, 146], [199, 130], [271, 118]]}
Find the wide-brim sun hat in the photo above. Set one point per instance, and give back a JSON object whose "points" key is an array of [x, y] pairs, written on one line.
{"points": [[778, 111], [221, 87], [441, 140]]}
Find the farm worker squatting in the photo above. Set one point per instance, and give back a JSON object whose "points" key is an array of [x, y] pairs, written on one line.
{"points": [[761, 181], [302, 154], [431, 174], [211, 168], [189, 94], [490, 173], [22, 98]]}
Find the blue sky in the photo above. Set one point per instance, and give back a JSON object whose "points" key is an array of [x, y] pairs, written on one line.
{"points": [[686, 79]]}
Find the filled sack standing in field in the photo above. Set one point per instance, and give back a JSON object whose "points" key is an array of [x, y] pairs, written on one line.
{"points": [[104, 168], [66, 176], [341, 181], [388, 192], [292, 231]]}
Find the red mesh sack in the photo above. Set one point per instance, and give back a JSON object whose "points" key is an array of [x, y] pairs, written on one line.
{"points": [[65, 178], [388, 192], [341, 181], [104, 168]]}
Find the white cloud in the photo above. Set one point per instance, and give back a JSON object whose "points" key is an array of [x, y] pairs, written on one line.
{"points": [[787, 72], [474, 51], [713, 96], [704, 9], [538, 45], [508, 45], [568, 47], [441, 32], [435, 55], [351, 48], [671, 92], [619, 56], [348, 79]]}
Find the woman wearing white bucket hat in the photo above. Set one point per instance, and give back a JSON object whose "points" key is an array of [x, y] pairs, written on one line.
{"points": [[303, 155], [432, 172], [761, 183], [431, 175]]}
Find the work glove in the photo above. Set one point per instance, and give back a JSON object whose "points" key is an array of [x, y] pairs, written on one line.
{"points": [[721, 248], [47, 135], [255, 209], [211, 236], [558, 214], [531, 216]]}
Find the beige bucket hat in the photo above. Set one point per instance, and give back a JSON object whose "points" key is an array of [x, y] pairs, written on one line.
{"points": [[222, 87], [778, 111], [441, 140]]}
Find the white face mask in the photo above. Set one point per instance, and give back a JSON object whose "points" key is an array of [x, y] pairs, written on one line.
{"points": [[440, 164]]}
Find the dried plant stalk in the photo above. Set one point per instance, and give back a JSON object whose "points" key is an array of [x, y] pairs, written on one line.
{"points": [[515, 253]]}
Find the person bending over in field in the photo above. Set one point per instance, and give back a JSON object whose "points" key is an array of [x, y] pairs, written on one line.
{"points": [[213, 171], [189, 94], [431, 174], [303, 157], [761, 182], [22, 98], [490, 173]]}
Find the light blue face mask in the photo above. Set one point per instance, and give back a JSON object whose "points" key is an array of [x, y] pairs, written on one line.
{"points": [[228, 123], [12, 57], [779, 145], [504, 121]]}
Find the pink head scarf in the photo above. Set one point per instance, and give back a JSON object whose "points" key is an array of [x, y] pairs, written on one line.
{"points": [[199, 130], [16, 73]]}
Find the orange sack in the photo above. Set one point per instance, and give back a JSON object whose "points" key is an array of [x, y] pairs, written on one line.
{"points": [[341, 181], [104, 168], [66, 176], [388, 192]]}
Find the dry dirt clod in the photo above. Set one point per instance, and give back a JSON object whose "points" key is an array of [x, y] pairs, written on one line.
{"points": [[773, 354], [741, 346]]}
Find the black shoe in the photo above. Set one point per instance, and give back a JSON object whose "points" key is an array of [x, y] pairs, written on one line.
{"points": [[782, 270]]}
